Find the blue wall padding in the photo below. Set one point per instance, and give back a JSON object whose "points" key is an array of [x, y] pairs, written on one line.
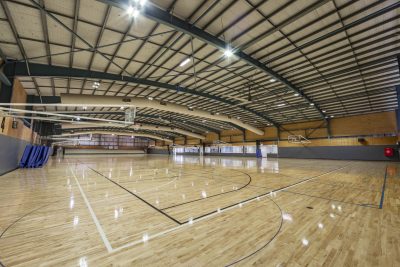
{"points": [[258, 153], [35, 156], [25, 157]]}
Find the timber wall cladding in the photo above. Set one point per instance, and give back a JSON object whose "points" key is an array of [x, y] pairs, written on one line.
{"points": [[13, 141], [376, 123], [22, 132]]}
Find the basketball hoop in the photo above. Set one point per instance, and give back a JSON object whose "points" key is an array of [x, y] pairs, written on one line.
{"points": [[298, 139], [130, 114], [219, 142]]}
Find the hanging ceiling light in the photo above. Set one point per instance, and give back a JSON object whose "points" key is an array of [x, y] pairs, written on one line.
{"points": [[132, 11], [228, 52], [96, 85], [183, 63]]}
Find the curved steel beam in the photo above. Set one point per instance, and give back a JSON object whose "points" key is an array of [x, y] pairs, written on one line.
{"points": [[87, 100], [151, 136], [140, 126], [12, 69]]}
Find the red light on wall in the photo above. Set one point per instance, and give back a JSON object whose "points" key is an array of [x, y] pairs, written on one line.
{"points": [[389, 152]]}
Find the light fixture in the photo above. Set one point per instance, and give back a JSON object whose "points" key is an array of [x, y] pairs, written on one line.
{"points": [[142, 2], [228, 52], [150, 98], [216, 113], [96, 85], [145, 237], [78, 119], [281, 105], [312, 104], [324, 111], [296, 94], [132, 11], [332, 116], [183, 63], [272, 80], [121, 108], [84, 108]]}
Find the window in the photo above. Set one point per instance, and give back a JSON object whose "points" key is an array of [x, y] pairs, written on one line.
{"points": [[114, 142]]}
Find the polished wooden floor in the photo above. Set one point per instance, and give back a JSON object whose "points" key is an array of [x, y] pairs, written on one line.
{"points": [[147, 210]]}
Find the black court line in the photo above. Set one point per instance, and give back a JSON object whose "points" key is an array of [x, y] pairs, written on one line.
{"points": [[23, 216], [266, 244], [342, 184], [20, 218], [383, 189], [133, 194], [375, 206], [148, 180], [269, 192], [199, 199]]}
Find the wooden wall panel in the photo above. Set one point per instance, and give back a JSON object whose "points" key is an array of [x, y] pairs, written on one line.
{"points": [[210, 137], [351, 141], [375, 123], [21, 132], [269, 133], [193, 141]]}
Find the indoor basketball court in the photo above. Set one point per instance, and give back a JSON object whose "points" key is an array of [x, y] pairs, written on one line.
{"points": [[199, 133]]}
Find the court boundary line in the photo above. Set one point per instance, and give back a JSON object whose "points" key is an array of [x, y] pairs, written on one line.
{"points": [[199, 199], [23, 216], [368, 205], [383, 189], [224, 209], [271, 192], [133, 194], [94, 217]]}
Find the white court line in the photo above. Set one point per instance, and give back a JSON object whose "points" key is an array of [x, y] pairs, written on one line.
{"points": [[222, 211], [96, 221], [312, 178]]}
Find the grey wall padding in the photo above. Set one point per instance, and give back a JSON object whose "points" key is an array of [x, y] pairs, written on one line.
{"points": [[11, 150], [338, 152], [157, 151], [252, 155], [72, 151]]}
